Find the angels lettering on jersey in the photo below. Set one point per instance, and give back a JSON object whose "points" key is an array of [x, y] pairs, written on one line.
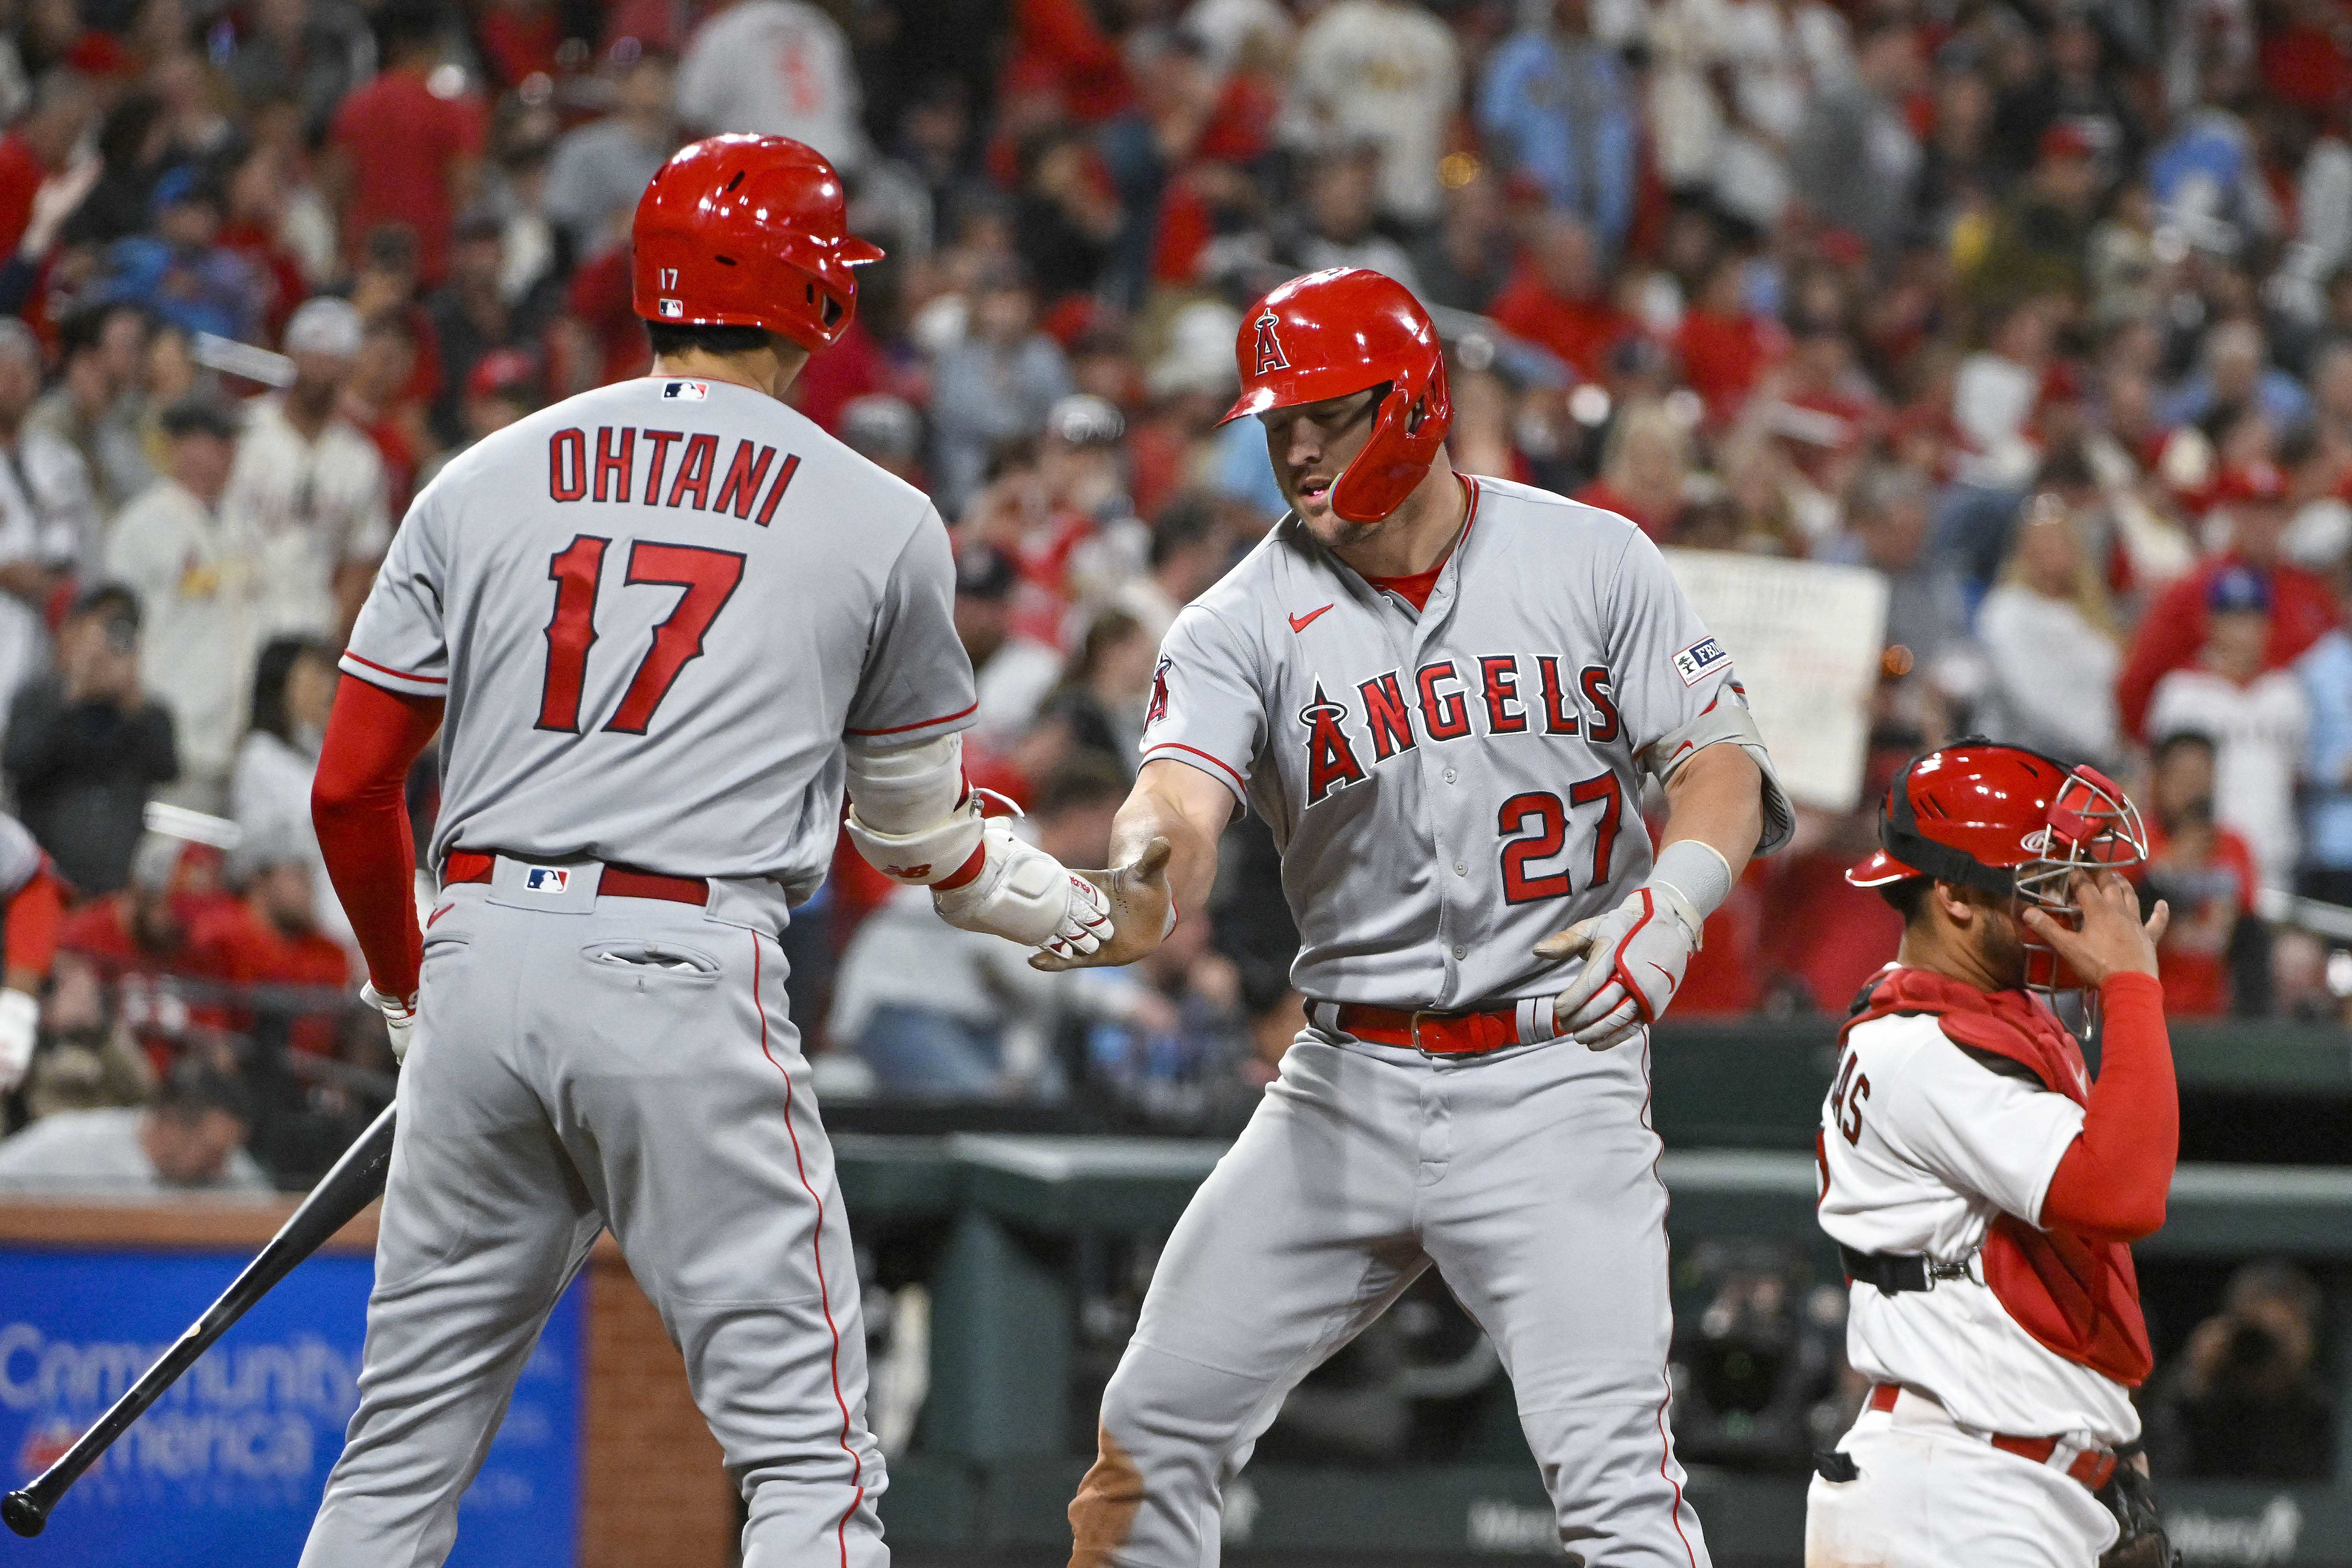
{"points": [[1386, 715]]}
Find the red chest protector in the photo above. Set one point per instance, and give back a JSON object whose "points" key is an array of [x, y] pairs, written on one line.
{"points": [[2076, 1295]]}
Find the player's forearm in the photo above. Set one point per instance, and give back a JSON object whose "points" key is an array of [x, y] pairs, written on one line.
{"points": [[359, 807], [1717, 798], [2113, 1181], [1160, 808]]}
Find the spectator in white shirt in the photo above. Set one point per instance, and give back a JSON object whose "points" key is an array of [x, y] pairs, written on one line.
{"points": [[2258, 720], [1389, 74], [196, 566], [779, 68], [45, 509], [193, 1138], [309, 486], [2049, 637]]}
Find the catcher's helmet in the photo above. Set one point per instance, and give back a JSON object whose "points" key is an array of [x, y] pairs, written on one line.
{"points": [[748, 231], [1331, 333], [2010, 821]]}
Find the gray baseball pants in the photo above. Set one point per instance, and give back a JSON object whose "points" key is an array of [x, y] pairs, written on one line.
{"points": [[584, 1062], [1525, 1175]]}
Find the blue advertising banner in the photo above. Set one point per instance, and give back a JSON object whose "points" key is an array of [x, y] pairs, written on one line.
{"points": [[227, 1469]]}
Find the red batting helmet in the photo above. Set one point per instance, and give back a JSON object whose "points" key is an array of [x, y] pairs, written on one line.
{"points": [[748, 231], [1331, 333], [2009, 820]]}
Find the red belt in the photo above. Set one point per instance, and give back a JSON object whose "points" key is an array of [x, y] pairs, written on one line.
{"points": [[618, 881], [2092, 1467], [1439, 1033]]}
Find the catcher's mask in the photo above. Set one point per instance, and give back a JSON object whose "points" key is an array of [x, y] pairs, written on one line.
{"points": [[2011, 822]]}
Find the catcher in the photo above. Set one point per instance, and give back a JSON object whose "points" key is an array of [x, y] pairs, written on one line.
{"points": [[1981, 1189]]}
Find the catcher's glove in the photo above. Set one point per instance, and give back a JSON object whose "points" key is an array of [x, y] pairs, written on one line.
{"points": [[2130, 1496]]}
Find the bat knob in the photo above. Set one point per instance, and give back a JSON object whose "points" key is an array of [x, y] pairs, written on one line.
{"points": [[23, 1514]]}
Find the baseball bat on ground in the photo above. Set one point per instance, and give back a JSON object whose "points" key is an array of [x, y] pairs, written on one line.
{"points": [[354, 1183]]}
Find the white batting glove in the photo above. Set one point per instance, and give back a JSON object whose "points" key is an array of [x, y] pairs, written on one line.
{"points": [[20, 1021], [1024, 895], [399, 1017], [1634, 960]]}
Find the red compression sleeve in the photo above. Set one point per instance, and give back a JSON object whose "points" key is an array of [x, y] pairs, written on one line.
{"points": [[2112, 1182], [35, 912], [359, 804]]}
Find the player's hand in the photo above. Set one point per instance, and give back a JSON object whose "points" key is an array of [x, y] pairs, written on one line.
{"points": [[2112, 941], [1024, 895], [20, 1022], [399, 1017], [1138, 897], [1634, 960]]}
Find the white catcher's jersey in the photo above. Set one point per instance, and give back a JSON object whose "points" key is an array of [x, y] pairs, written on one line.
{"points": [[1452, 786], [1922, 1147], [656, 609]]}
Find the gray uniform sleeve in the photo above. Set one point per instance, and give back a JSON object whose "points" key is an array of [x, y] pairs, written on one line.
{"points": [[397, 642], [1675, 691], [1206, 708], [918, 679]]}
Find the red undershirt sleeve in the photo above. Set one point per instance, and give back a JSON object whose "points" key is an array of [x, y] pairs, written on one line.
{"points": [[35, 912], [2112, 1182], [359, 806]]}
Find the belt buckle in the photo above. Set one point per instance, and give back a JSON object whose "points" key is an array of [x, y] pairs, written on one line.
{"points": [[1414, 1027]]}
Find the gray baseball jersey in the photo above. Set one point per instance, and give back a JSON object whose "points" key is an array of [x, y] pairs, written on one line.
{"points": [[1452, 786], [1448, 785], [655, 610]]}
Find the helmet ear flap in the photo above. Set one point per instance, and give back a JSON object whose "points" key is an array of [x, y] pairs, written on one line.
{"points": [[1406, 433]]}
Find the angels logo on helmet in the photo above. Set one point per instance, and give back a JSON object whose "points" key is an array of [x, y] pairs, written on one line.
{"points": [[1269, 347]]}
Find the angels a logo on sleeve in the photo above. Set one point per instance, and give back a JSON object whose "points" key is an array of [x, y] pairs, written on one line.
{"points": [[1157, 708], [1694, 662], [1269, 347]]}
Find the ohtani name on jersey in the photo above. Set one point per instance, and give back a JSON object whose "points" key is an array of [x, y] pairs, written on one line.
{"points": [[753, 477], [1438, 703]]}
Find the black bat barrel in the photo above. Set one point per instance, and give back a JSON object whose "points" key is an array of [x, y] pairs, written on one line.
{"points": [[355, 1181]]}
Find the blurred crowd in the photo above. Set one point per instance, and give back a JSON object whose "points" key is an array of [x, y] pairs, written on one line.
{"points": [[2040, 310]]}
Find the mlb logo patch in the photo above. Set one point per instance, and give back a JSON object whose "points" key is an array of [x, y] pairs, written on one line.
{"points": [[551, 880], [1701, 656], [687, 391], [671, 309]]}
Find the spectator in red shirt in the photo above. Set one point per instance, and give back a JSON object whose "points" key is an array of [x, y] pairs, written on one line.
{"points": [[1059, 42], [406, 148], [2204, 870], [1559, 298], [1724, 346], [38, 146], [2302, 610], [138, 938], [380, 398], [270, 938]]}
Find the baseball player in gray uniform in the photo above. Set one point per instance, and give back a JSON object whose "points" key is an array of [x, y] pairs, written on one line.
{"points": [[662, 627], [1443, 693]]}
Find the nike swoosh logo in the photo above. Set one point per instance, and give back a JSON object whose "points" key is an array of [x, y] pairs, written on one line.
{"points": [[1300, 623], [437, 914]]}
